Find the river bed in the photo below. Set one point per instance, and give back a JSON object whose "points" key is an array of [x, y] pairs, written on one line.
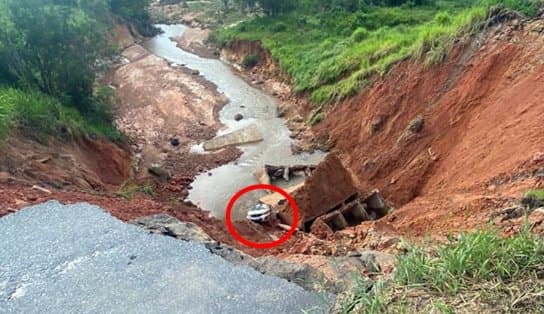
{"points": [[212, 190]]}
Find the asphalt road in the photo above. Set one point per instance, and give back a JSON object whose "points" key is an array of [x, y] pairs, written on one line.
{"points": [[79, 259]]}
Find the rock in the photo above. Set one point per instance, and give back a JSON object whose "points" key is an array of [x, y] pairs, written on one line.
{"points": [[238, 117], [170, 226], [157, 170], [375, 261], [303, 275], [174, 141], [195, 72], [39, 188], [377, 124], [229, 253], [416, 125], [20, 203]]}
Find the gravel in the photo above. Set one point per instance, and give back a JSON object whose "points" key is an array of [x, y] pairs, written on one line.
{"points": [[78, 259]]}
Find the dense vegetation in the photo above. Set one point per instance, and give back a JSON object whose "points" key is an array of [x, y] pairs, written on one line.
{"points": [[50, 54], [333, 48], [475, 273]]}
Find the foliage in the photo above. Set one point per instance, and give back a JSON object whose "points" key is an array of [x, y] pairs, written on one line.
{"points": [[130, 190], [37, 114], [250, 60], [332, 49], [482, 255], [51, 51], [536, 194], [51, 47], [134, 12], [533, 199], [480, 272]]}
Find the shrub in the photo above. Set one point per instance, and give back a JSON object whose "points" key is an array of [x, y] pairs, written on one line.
{"points": [[359, 34], [279, 27], [533, 199], [250, 60]]}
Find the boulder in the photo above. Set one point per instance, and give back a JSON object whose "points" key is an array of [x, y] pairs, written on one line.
{"points": [[174, 141], [157, 170], [238, 117]]}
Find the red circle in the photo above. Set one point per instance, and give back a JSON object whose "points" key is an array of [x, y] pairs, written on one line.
{"points": [[266, 245]]}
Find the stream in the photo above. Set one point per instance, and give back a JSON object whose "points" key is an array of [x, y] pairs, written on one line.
{"points": [[212, 192]]}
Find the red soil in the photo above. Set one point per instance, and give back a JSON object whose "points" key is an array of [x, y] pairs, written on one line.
{"points": [[483, 120]]}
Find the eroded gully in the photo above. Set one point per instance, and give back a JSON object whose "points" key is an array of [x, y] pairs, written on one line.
{"points": [[212, 190]]}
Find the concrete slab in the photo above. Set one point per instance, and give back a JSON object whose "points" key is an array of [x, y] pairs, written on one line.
{"points": [[251, 134]]}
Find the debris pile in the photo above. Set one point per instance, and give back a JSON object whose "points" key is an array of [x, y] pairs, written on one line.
{"points": [[329, 198]]}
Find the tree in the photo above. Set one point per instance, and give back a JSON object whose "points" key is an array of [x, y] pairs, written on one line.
{"points": [[52, 46]]}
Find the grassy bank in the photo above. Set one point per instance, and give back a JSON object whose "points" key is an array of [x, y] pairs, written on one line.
{"points": [[333, 54], [38, 115], [480, 272]]}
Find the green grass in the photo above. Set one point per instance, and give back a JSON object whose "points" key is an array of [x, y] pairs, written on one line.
{"points": [[537, 194], [130, 190], [333, 55], [38, 115], [480, 270]]}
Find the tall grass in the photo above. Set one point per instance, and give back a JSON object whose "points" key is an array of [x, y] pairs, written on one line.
{"points": [[39, 115], [475, 257], [480, 270], [333, 55]]}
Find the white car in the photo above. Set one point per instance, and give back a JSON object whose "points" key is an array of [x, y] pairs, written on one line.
{"points": [[259, 213]]}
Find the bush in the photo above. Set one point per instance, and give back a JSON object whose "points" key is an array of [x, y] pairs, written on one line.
{"points": [[279, 27], [533, 199], [360, 34], [250, 60]]}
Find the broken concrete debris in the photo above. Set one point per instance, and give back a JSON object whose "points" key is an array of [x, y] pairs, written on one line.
{"points": [[268, 173], [330, 195], [247, 135]]}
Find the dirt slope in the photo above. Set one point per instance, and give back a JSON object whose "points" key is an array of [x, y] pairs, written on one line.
{"points": [[480, 116]]}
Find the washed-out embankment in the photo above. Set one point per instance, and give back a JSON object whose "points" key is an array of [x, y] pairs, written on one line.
{"points": [[447, 144]]}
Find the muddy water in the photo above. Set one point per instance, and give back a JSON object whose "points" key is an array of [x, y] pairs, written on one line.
{"points": [[212, 192]]}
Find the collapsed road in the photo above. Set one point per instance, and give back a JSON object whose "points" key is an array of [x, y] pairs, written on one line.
{"points": [[77, 258]]}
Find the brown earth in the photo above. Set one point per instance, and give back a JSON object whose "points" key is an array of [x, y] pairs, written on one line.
{"points": [[80, 163], [194, 40], [160, 102]]}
